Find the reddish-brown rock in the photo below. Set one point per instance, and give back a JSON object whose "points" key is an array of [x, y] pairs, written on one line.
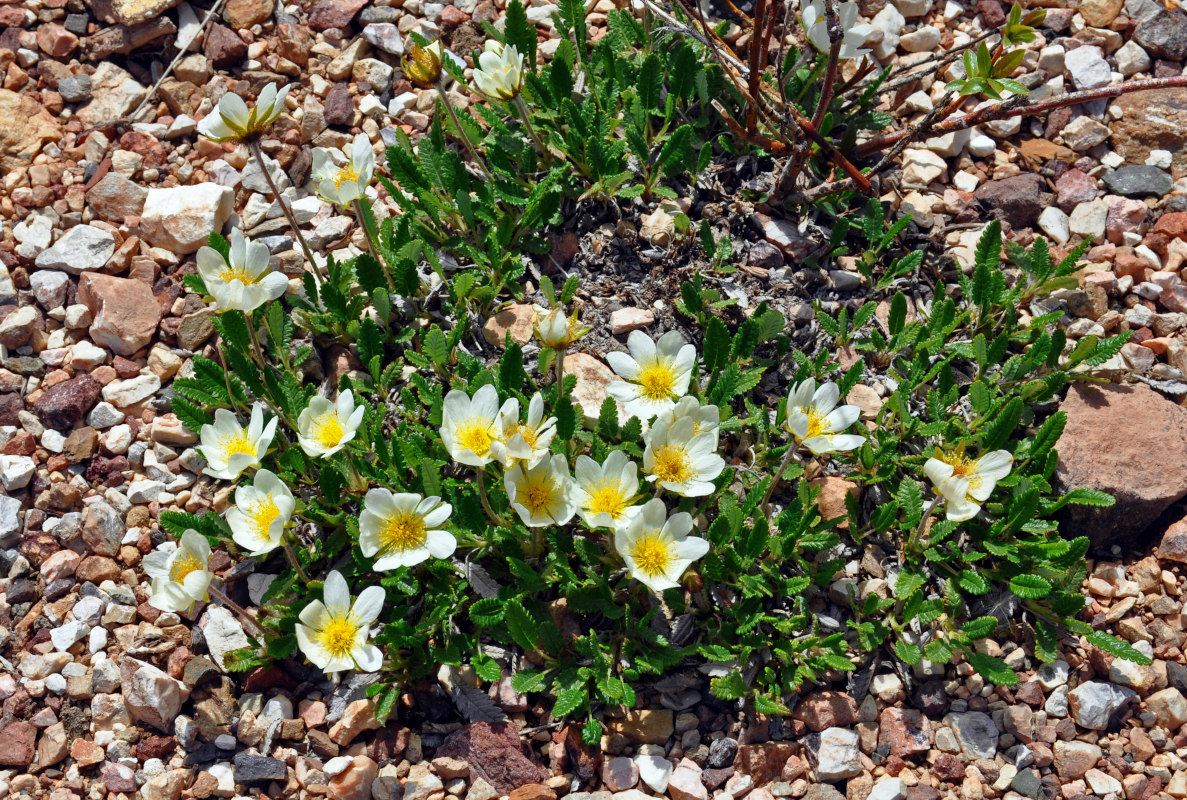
{"points": [[1128, 441], [334, 13], [125, 312], [17, 741], [223, 47], [821, 710], [495, 753], [1174, 543], [763, 762], [62, 405], [905, 731]]}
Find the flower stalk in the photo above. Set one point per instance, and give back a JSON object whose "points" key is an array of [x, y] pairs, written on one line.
{"points": [[253, 145], [248, 620]]}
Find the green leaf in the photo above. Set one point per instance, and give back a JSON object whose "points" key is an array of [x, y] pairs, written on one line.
{"points": [[520, 624], [728, 687], [520, 32], [1030, 587], [992, 669], [528, 680], [487, 611], [649, 82], [487, 668], [568, 701], [980, 627], [1117, 647], [591, 732], [908, 653], [566, 419], [436, 346], [716, 346]]}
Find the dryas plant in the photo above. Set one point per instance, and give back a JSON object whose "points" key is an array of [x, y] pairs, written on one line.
{"points": [[466, 489]]}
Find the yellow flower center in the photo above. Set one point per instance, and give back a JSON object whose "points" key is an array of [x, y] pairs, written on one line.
{"points": [[672, 464], [237, 442], [327, 429], [962, 467], [347, 173], [403, 530], [527, 433], [653, 553], [474, 434], [240, 274], [818, 424], [656, 379], [185, 563], [337, 636], [537, 494], [261, 514], [607, 497]]}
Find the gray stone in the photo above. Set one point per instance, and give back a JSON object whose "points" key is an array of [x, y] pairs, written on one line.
{"points": [[975, 732], [81, 249], [1027, 783], [251, 768], [76, 88], [838, 755], [1139, 180], [1088, 68], [223, 633], [385, 36], [10, 524], [151, 695], [1164, 35], [1099, 706]]}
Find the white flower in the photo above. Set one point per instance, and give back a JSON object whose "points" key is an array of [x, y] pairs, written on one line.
{"points": [[523, 441], [469, 425], [179, 574], [342, 185], [404, 529], [816, 26], [815, 419], [606, 492], [324, 427], [556, 330], [260, 514], [705, 418], [681, 461], [656, 375], [543, 494], [333, 634], [657, 548], [244, 282], [499, 74], [964, 483], [233, 119], [229, 448]]}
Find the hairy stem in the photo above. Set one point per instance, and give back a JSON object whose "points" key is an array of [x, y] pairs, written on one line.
{"points": [[247, 619], [254, 145], [461, 132], [1021, 106], [766, 499]]}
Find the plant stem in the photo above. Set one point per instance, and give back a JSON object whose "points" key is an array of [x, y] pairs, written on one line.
{"points": [[254, 145], [560, 372], [836, 36], [292, 556], [1021, 106], [913, 540], [461, 132], [522, 108], [372, 241], [766, 500], [255, 341], [227, 378], [221, 596], [486, 506]]}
